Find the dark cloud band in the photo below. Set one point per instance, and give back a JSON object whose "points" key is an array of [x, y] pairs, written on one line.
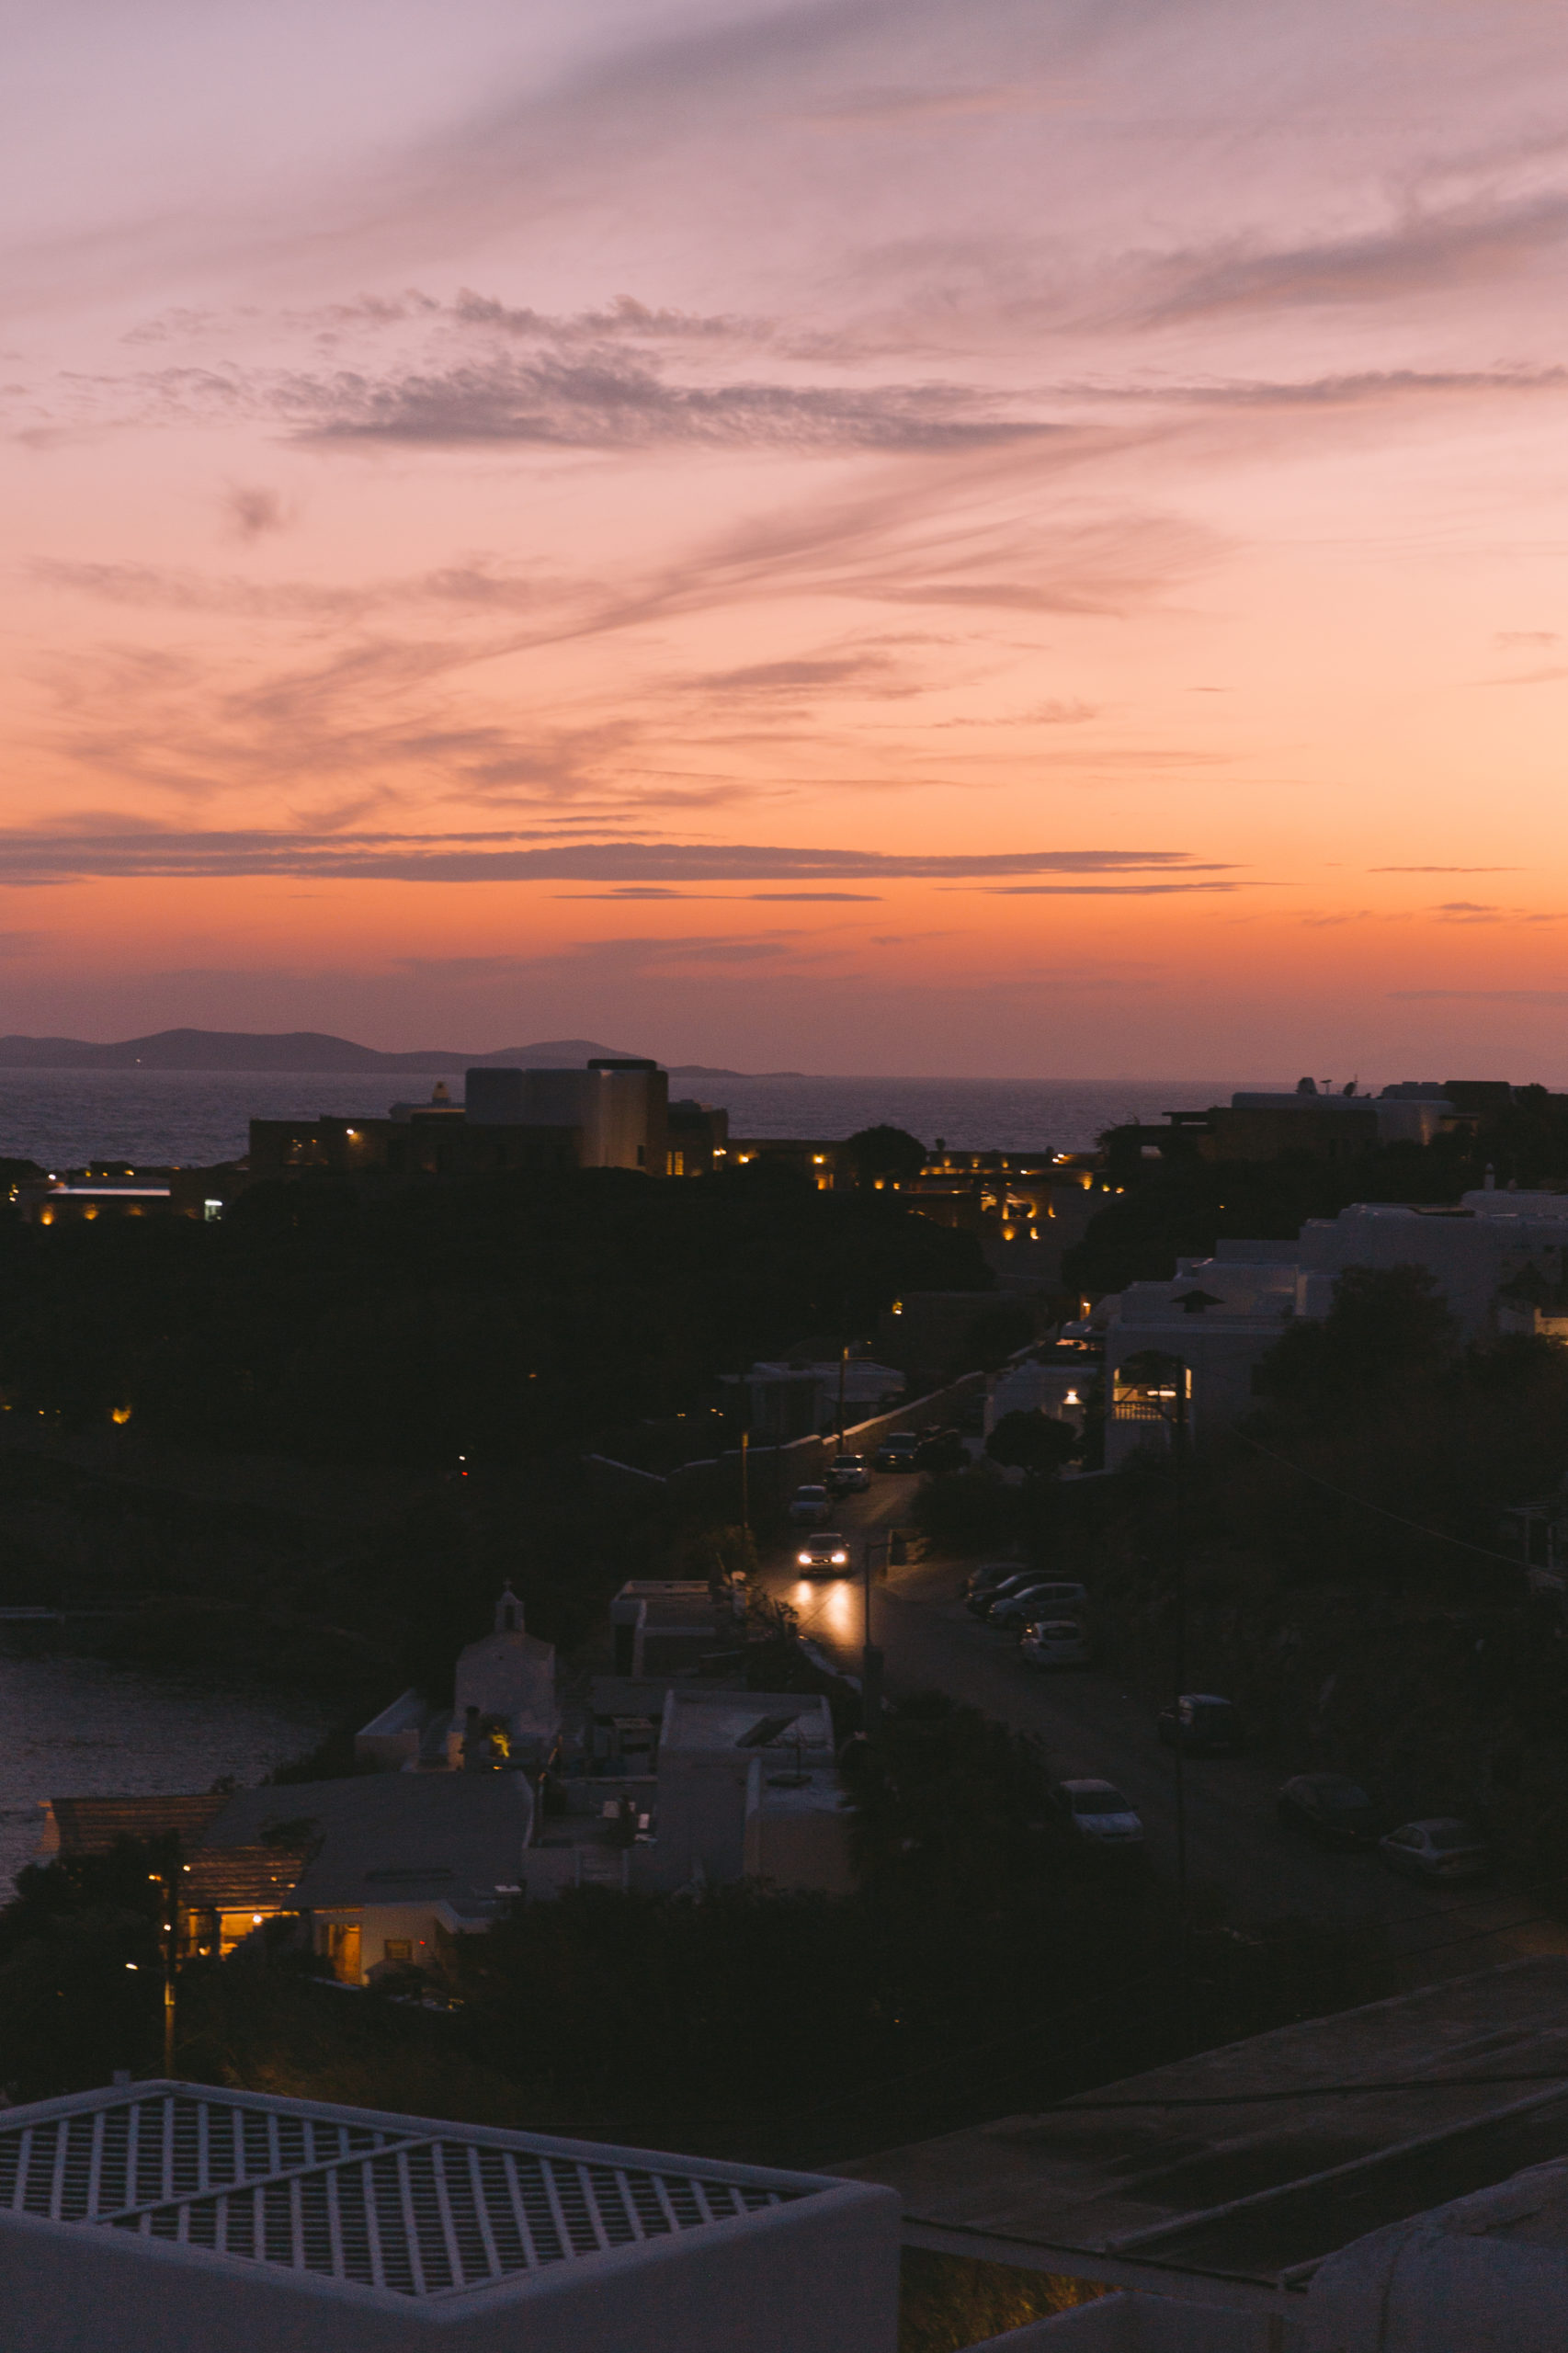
{"points": [[41, 858]]}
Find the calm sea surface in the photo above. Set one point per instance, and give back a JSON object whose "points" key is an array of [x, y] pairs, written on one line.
{"points": [[191, 1119], [72, 1727]]}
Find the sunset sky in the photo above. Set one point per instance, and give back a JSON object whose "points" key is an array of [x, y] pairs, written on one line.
{"points": [[998, 536]]}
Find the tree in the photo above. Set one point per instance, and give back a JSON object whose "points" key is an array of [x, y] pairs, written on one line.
{"points": [[1034, 1442], [884, 1151], [1387, 1325], [81, 1972]]}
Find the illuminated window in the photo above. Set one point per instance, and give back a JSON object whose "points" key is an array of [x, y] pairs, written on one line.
{"points": [[399, 1949]]}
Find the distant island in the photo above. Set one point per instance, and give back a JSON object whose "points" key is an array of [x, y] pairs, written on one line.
{"points": [[307, 1050]]}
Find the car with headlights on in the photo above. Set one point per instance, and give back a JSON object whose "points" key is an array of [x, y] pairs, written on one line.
{"points": [[825, 1554], [1329, 1807], [848, 1474], [1096, 1814], [1056, 1641], [1440, 1848]]}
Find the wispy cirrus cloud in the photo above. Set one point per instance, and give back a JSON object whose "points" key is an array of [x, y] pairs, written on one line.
{"points": [[1111, 890], [609, 401], [90, 851], [1479, 996], [1422, 252]]}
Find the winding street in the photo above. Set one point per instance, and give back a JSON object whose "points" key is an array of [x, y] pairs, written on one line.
{"points": [[1241, 1862]]}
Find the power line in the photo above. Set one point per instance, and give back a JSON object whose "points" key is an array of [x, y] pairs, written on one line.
{"points": [[1436, 1535]]}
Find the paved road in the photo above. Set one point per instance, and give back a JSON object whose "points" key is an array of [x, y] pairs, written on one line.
{"points": [[1091, 1724]]}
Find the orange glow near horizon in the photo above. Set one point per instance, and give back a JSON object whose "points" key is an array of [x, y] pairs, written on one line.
{"points": [[752, 536]]}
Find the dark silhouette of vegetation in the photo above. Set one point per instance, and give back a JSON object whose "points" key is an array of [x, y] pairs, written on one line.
{"points": [[1037, 1443], [508, 1318], [81, 1972], [949, 2302], [967, 1512], [886, 1152], [1171, 1210], [1387, 1331]]}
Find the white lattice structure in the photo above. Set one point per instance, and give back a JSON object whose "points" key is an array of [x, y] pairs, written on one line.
{"points": [[168, 2216]]}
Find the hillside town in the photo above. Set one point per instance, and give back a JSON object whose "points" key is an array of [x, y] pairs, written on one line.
{"points": [[1200, 1631]]}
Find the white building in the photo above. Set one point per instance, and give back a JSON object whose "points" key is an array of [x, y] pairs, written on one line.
{"points": [[1058, 1386], [171, 2217], [1220, 1316], [380, 1867], [504, 1684], [748, 1788]]}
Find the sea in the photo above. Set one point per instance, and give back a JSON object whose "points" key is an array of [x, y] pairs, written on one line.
{"points": [[63, 1119], [72, 1727]]}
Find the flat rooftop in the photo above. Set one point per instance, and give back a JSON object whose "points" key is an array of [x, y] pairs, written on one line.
{"points": [[394, 2204], [710, 1721], [1254, 2161]]}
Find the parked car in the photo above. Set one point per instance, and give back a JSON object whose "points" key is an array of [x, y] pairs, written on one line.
{"points": [[1058, 1597], [809, 1508], [940, 1450], [896, 1451], [986, 1578], [1330, 1807], [848, 1474], [1017, 1610], [1205, 1726], [1056, 1641], [1096, 1812], [985, 1598], [1441, 1849], [825, 1554]]}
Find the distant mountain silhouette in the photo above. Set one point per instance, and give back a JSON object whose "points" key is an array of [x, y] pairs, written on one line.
{"points": [[242, 1049], [303, 1049]]}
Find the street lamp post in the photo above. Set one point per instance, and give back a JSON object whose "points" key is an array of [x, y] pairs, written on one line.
{"points": [[1179, 1434], [871, 1658], [167, 1884], [1178, 1422], [745, 1499]]}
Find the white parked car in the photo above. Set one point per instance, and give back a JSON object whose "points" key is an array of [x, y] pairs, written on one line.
{"points": [[809, 1509], [1442, 1848], [1098, 1814], [1056, 1641]]}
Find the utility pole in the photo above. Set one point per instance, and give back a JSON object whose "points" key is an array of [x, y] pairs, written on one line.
{"points": [[843, 1363], [167, 1884], [1179, 1434], [745, 1505], [871, 1659]]}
